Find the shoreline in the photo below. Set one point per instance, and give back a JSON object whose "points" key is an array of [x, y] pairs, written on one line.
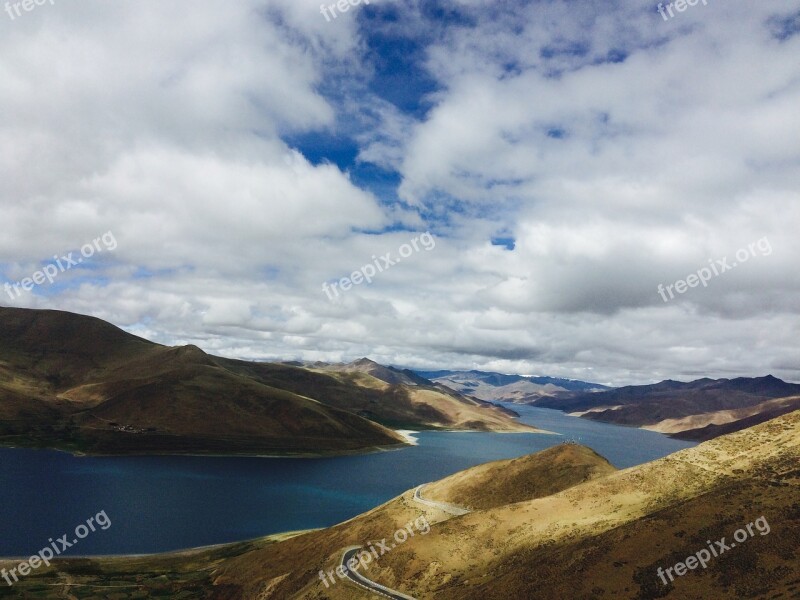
{"points": [[271, 538], [408, 435]]}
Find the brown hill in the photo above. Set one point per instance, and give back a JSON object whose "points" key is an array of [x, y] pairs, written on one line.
{"points": [[604, 538], [63, 349], [507, 481], [606, 530], [78, 383]]}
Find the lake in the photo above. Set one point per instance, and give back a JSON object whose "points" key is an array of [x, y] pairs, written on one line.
{"points": [[162, 503]]}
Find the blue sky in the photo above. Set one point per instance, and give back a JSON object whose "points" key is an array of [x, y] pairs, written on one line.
{"points": [[568, 158]]}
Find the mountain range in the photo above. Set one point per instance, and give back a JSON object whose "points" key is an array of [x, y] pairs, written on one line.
{"points": [[697, 410], [509, 388], [78, 383], [81, 384]]}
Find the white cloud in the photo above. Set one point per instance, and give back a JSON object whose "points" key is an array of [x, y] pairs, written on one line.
{"points": [[164, 123]]}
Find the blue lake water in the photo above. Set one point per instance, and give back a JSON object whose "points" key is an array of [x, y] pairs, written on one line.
{"points": [[162, 503]]}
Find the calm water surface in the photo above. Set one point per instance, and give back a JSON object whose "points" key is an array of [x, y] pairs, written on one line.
{"points": [[161, 503]]}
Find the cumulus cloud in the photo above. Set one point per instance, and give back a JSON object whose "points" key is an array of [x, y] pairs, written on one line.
{"points": [[617, 151]]}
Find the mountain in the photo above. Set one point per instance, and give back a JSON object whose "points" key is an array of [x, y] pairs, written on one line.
{"points": [[609, 536], [589, 532], [498, 387], [710, 425], [695, 410], [386, 374], [525, 478], [414, 405], [81, 384]]}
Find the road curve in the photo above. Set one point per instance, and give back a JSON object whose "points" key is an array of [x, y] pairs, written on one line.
{"points": [[363, 582], [448, 508], [376, 588]]}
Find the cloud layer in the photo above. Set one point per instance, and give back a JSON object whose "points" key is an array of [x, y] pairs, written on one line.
{"points": [[244, 155]]}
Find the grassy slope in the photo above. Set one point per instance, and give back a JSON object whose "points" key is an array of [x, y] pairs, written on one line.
{"points": [[525, 478], [532, 549]]}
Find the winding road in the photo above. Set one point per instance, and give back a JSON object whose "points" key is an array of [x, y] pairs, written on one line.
{"points": [[363, 582], [376, 588], [448, 508]]}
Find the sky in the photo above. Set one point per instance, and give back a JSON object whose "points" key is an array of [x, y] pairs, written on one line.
{"points": [[452, 184]]}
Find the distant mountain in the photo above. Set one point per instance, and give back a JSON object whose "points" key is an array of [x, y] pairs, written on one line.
{"points": [[707, 426], [415, 401], [386, 374], [81, 384], [694, 410], [509, 388]]}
